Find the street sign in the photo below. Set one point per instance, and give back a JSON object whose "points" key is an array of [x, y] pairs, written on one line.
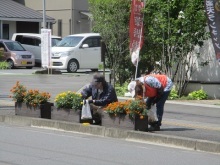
{"points": [[46, 48]]}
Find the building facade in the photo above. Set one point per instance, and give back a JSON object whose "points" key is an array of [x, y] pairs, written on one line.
{"points": [[71, 16]]}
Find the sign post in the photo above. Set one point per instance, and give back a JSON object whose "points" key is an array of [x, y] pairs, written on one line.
{"points": [[46, 48]]}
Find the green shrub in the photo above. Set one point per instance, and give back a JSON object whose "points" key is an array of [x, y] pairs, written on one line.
{"points": [[121, 90], [173, 95], [197, 95], [3, 65]]}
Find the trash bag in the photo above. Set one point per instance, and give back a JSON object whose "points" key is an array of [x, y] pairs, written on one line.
{"points": [[152, 114], [86, 111]]}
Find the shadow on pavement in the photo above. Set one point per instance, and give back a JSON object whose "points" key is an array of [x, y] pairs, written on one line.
{"points": [[177, 129]]}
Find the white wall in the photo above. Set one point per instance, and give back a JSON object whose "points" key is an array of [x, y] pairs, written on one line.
{"points": [[208, 77], [211, 72]]}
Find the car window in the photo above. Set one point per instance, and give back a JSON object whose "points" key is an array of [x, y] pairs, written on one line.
{"points": [[2, 46], [27, 41], [19, 38], [14, 46], [92, 41], [55, 41], [70, 41], [37, 41]]}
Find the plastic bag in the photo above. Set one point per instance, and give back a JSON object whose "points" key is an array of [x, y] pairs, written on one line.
{"points": [[152, 114], [86, 112]]}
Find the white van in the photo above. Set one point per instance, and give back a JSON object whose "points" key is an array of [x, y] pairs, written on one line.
{"points": [[32, 43], [78, 51]]}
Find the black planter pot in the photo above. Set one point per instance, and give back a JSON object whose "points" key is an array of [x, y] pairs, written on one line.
{"points": [[41, 111], [125, 122], [141, 124]]}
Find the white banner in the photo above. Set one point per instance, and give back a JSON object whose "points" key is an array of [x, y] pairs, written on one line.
{"points": [[46, 48]]}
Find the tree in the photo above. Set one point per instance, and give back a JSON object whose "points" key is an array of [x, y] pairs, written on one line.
{"points": [[175, 29], [111, 19]]}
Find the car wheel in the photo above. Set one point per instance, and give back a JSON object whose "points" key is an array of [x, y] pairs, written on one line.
{"points": [[94, 70], [29, 67], [10, 64], [72, 66]]}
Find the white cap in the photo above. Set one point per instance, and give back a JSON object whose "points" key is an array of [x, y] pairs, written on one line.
{"points": [[131, 88]]}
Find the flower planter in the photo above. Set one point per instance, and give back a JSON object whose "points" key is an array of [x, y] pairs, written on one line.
{"points": [[42, 111], [124, 122], [65, 115]]}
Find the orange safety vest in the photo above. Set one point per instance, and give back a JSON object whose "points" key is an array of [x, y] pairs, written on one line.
{"points": [[152, 92]]}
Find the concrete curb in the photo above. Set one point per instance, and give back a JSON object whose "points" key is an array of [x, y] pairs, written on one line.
{"points": [[200, 145]]}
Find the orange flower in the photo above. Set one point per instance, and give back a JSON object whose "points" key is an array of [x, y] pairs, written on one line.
{"points": [[32, 97]]}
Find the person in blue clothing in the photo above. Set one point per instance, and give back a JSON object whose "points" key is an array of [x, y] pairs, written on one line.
{"points": [[99, 93]]}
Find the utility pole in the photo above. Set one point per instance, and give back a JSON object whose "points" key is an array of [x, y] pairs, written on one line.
{"points": [[44, 14]]}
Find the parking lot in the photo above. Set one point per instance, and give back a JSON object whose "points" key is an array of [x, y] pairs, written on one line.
{"points": [[54, 84]]}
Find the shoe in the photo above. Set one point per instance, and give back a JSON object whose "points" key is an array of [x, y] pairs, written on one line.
{"points": [[154, 128], [153, 123]]}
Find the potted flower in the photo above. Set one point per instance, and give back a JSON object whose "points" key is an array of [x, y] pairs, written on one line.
{"points": [[129, 114], [67, 106], [32, 103], [138, 108], [138, 114], [117, 109], [18, 92], [36, 98]]}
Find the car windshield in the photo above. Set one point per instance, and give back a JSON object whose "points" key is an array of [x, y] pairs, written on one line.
{"points": [[70, 41], [14, 46], [55, 41]]}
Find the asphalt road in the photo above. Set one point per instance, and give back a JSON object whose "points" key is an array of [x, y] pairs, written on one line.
{"points": [[184, 120], [33, 146]]}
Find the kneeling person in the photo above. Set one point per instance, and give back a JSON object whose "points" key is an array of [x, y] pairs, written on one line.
{"points": [[102, 93]]}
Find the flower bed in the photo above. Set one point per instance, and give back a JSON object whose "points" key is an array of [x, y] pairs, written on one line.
{"points": [[31, 103], [129, 114], [67, 107]]}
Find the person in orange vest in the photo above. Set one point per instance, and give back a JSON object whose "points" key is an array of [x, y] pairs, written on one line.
{"points": [[156, 88]]}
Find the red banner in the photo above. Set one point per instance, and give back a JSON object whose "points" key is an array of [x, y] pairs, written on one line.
{"points": [[212, 8], [136, 29]]}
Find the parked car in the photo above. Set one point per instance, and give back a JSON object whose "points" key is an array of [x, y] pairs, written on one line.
{"points": [[78, 51], [32, 43], [16, 55]]}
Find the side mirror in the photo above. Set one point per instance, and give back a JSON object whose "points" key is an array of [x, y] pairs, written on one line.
{"points": [[85, 46]]}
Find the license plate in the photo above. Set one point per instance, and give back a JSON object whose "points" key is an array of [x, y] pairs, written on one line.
{"points": [[23, 62]]}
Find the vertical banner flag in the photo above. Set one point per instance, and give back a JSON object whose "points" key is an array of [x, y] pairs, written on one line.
{"points": [[136, 30], [212, 8]]}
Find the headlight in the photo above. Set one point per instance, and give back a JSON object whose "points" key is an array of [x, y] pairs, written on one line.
{"points": [[17, 56], [63, 54]]}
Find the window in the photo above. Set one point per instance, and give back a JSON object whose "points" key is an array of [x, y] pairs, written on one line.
{"points": [[29, 40], [59, 23], [6, 31], [2, 46], [93, 42]]}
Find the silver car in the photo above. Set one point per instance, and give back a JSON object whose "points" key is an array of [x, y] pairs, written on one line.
{"points": [[16, 55]]}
